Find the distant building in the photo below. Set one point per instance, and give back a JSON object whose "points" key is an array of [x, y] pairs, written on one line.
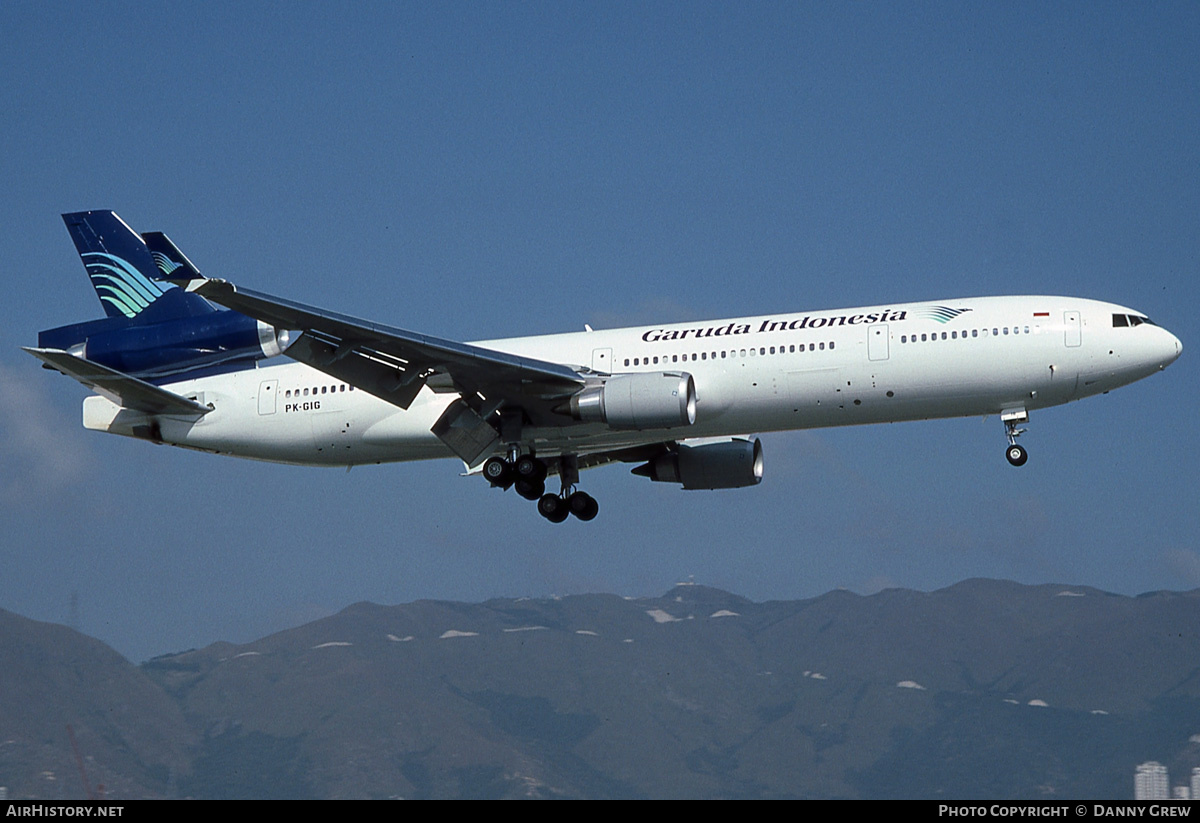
{"points": [[1182, 792], [1151, 782], [1196, 783]]}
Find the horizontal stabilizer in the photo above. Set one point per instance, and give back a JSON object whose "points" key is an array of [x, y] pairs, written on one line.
{"points": [[120, 388]]}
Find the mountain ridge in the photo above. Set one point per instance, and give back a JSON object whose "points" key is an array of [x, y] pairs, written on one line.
{"points": [[981, 689]]}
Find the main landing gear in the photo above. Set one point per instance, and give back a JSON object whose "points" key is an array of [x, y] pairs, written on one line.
{"points": [[1012, 418], [528, 474]]}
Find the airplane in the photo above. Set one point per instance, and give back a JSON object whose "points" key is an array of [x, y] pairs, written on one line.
{"points": [[272, 379]]}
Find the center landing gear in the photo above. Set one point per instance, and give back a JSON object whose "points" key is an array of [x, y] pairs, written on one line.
{"points": [[556, 507], [1012, 418], [527, 474]]}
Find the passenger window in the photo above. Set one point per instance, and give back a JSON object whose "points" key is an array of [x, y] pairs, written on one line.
{"points": [[822, 347], [831, 345]]}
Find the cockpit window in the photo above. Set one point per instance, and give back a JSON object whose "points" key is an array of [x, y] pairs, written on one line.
{"points": [[1120, 320]]}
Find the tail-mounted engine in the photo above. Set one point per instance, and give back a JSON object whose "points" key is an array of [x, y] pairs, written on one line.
{"points": [[145, 348], [730, 464], [658, 400]]}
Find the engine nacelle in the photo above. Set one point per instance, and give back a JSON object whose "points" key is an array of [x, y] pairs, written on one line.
{"points": [[658, 400], [732, 464], [273, 342], [173, 345]]}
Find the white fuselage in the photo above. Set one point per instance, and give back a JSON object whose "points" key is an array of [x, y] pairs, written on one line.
{"points": [[954, 358]]}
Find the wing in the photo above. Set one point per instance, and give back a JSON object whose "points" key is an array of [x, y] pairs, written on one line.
{"points": [[394, 364], [118, 387]]}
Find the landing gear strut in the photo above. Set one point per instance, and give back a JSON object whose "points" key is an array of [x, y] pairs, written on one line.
{"points": [[528, 474], [1012, 418], [556, 507]]}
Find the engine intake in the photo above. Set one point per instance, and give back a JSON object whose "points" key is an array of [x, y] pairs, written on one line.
{"points": [[658, 400], [732, 464]]}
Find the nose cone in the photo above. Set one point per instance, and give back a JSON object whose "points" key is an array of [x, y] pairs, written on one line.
{"points": [[1172, 348]]}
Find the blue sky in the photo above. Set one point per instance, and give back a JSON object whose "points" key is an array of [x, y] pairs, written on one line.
{"points": [[478, 170]]}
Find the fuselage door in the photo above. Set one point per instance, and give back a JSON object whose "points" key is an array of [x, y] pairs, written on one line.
{"points": [[602, 361], [1074, 332], [877, 342], [267, 391]]}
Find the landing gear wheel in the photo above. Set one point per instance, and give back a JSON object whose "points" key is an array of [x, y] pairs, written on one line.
{"points": [[1016, 455], [583, 506], [528, 467], [530, 489], [498, 472], [553, 508]]}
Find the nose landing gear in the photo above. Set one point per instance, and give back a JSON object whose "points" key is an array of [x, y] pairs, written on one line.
{"points": [[1012, 418], [1016, 455]]}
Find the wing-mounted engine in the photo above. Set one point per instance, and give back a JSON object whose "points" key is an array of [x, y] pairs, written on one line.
{"points": [[657, 400], [728, 464]]}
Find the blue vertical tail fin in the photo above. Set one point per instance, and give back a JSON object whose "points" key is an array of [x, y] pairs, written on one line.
{"points": [[123, 270], [170, 260]]}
